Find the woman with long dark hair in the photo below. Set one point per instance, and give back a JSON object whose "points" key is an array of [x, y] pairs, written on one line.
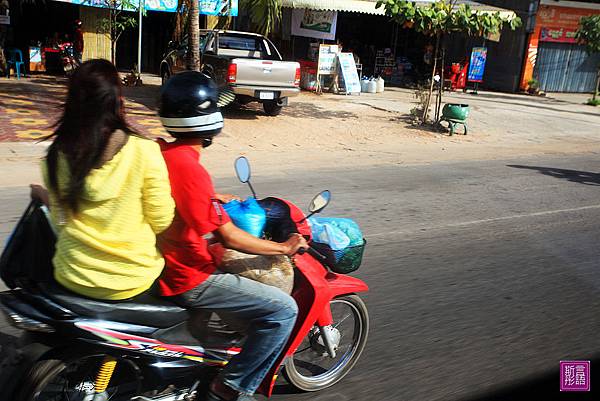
{"points": [[109, 191]]}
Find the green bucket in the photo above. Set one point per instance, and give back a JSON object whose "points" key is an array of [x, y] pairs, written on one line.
{"points": [[455, 112]]}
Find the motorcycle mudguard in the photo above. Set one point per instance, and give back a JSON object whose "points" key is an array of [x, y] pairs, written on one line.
{"points": [[315, 287]]}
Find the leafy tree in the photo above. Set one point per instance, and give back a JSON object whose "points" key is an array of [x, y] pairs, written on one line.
{"points": [[120, 18], [588, 34], [440, 18], [265, 15]]}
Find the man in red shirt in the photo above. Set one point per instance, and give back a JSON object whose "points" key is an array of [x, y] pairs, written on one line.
{"points": [[189, 113], [78, 43]]}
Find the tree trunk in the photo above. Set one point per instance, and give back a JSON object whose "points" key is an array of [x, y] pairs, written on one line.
{"points": [[435, 57], [438, 103], [113, 42], [194, 35]]}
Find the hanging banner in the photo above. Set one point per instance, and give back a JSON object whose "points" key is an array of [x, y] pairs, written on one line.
{"points": [[314, 24], [477, 64], [219, 7], [349, 72], [327, 60], [150, 5]]}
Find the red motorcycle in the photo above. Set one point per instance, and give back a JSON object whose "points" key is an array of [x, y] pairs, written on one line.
{"points": [[67, 56], [147, 348]]}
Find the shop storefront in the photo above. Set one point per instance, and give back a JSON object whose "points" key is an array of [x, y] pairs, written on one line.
{"points": [[38, 29], [353, 26], [382, 48], [553, 56]]}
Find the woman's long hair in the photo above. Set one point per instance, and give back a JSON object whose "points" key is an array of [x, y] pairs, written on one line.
{"points": [[92, 112]]}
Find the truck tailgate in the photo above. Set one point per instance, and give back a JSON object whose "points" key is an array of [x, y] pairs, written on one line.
{"points": [[265, 73]]}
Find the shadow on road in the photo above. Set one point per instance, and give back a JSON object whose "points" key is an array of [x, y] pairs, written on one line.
{"points": [[545, 386], [294, 110], [147, 94], [580, 177]]}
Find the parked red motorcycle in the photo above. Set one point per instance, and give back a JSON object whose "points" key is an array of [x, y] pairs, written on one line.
{"points": [[147, 348], [67, 56]]}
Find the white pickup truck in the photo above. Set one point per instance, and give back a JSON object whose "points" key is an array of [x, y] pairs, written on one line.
{"points": [[247, 64]]}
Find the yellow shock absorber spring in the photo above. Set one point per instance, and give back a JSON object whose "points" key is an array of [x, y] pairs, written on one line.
{"points": [[105, 373]]}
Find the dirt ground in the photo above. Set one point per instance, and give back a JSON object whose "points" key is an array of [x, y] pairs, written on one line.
{"points": [[320, 132]]}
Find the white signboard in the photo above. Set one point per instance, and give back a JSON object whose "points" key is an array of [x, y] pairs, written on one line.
{"points": [[4, 20], [349, 72], [327, 59], [314, 24]]}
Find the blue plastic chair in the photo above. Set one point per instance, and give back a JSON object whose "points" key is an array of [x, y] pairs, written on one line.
{"points": [[15, 59]]}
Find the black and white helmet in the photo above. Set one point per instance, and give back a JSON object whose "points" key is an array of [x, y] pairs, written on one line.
{"points": [[188, 106]]}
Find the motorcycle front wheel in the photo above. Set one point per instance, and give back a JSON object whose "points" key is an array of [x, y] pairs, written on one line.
{"points": [[72, 379], [311, 368]]}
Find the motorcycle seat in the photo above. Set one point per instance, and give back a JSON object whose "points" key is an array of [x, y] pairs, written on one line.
{"points": [[144, 309]]}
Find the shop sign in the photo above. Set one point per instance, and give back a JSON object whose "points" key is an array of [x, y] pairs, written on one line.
{"points": [[327, 59], [561, 35], [314, 24], [559, 24], [35, 55], [349, 72], [4, 20], [151, 5], [219, 7], [477, 64]]}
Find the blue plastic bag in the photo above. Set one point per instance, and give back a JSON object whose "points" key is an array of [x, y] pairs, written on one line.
{"points": [[247, 215], [325, 233], [346, 226]]}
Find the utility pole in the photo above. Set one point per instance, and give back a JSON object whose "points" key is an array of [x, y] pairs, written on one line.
{"points": [[141, 6]]}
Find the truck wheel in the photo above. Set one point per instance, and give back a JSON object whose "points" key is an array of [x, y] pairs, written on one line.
{"points": [[272, 108], [165, 76]]}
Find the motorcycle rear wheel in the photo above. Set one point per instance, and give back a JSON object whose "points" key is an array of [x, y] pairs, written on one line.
{"points": [[304, 371], [72, 379]]}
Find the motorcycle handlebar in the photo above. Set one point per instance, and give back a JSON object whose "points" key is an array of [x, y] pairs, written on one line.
{"points": [[313, 252]]}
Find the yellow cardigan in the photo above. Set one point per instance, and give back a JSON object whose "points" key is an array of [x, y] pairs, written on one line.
{"points": [[108, 249]]}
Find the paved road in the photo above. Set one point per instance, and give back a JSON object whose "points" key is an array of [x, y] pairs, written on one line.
{"points": [[483, 275]]}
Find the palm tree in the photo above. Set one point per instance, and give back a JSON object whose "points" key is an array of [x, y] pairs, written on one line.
{"points": [[194, 36], [265, 15]]}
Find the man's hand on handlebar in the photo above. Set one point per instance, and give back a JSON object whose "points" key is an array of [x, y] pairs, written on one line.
{"points": [[294, 243]]}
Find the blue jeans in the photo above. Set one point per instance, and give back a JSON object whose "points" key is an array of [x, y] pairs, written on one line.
{"points": [[269, 313]]}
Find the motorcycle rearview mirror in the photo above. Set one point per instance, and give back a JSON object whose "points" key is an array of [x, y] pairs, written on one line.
{"points": [[318, 203], [242, 170]]}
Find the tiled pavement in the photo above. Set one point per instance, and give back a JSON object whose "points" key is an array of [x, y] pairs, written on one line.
{"points": [[29, 107]]}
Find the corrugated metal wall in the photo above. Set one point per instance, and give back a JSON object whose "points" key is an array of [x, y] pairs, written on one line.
{"points": [[565, 67]]}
